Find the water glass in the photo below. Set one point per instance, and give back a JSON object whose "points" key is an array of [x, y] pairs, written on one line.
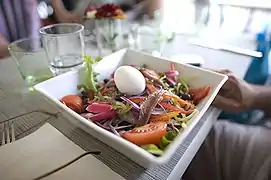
{"points": [[109, 35], [147, 39], [31, 60], [64, 46]]}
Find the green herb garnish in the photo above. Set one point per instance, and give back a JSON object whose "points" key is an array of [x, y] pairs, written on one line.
{"points": [[122, 108], [171, 135], [164, 142], [187, 118], [90, 80]]}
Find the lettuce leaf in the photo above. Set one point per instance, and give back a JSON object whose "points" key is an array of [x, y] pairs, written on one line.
{"points": [[90, 81]]}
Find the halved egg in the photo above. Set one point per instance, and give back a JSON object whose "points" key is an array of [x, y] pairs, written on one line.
{"points": [[129, 80]]}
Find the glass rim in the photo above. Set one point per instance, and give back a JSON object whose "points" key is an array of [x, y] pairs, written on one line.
{"points": [[42, 30], [22, 40]]}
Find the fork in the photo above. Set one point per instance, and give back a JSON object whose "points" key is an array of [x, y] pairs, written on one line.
{"points": [[7, 130]]}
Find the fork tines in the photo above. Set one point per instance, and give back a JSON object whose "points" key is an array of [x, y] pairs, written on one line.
{"points": [[7, 131]]}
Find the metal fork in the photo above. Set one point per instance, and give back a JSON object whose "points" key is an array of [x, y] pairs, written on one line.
{"points": [[7, 131]]}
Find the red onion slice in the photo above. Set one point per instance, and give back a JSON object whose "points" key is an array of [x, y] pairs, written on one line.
{"points": [[172, 73], [171, 81], [135, 106]]}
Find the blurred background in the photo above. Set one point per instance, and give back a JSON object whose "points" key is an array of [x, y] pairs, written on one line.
{"points": [[234, 21], [202, 29]]}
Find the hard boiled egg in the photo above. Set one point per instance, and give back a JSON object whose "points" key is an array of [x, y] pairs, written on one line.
{"points": [[129, 80]]}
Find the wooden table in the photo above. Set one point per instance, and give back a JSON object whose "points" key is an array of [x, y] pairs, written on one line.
{"points": [[30, 111]]}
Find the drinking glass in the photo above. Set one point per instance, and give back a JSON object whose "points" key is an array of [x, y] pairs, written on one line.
{"points": [[31, 60], [64, 46]]}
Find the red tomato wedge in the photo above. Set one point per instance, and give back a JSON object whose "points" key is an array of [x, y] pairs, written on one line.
{"points": [[99, 107], [199, 93], [148, 134], [74, 102]]}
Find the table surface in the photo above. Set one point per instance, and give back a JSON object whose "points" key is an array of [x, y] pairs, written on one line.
{"points": [[31, 111]]}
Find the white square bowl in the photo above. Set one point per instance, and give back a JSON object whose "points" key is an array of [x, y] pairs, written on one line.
{"points": [[57, 87]]}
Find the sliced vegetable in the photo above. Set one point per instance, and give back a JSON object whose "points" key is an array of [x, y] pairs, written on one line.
{"points": [[164, 142], [103, 115], [157, 111], [184, 86], [137, 99], [199, 93], [177, 99], [90, 82], [130, 102], [175, 108], [152, 75], [184, 125], [171, 135], [90, 95], [153, 149], [99, 107], [151, 119], [148, 106], [148, 134], [186, 97], [74, 102], [172, 68], [164, 117], [111, 82], [104, 126], [151, 88], [104, 90], [171, 81], [187, 118], [86, 115], [172, 73], [121, 107], [167, 96], [113, 129]]}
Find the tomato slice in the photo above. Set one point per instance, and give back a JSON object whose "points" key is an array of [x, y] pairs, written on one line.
{"points": [[74, 102], [199, 93], [148, 134]]}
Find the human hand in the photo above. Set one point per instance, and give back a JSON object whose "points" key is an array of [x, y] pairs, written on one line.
{"points": [[153, 5], [3, 47], [236, 95]]}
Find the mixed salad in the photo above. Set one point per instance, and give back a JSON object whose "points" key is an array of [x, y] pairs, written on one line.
{"points": [[145, 107]]}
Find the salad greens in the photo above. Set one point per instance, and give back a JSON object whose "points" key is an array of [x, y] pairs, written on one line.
{"points": [[153, 149], [90, 81], [152, 119]]}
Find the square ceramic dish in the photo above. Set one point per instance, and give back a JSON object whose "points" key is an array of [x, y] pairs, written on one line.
{"points": [[65, 84]]}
